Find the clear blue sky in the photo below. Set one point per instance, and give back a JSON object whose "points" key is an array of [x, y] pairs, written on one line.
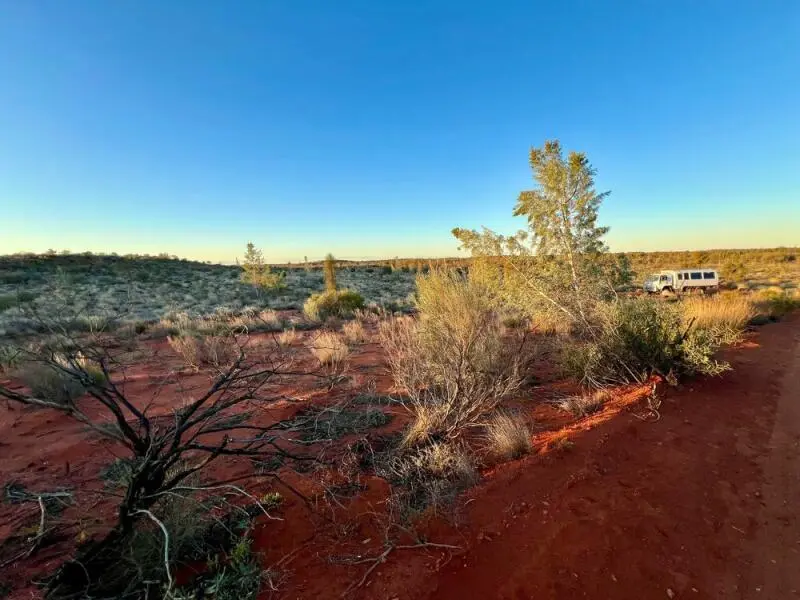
{"points": [[371, 128]]}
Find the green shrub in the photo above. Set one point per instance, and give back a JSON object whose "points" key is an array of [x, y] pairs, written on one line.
{"points": [[330, 273], [339, 303], [49, 382], [776, 304], [641, 337]]}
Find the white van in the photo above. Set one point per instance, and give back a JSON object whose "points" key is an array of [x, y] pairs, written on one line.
{"points": [[682, 280]]}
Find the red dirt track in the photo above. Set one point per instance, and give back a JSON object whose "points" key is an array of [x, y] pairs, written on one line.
{"points": [[700, 504]]}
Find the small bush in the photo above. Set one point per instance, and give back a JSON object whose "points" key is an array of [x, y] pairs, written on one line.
{"points": [[428, 423], [329, 271], [354, 332], [199, 351], [430, 476], [50, 382], [329, 349], [508, 436], [775, 304], [339, 303], [253, 321], [455, 361], [638, 338], [10, 358]]}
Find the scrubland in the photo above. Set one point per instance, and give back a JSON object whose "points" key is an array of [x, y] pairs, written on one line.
{"points": [[182, 430]]}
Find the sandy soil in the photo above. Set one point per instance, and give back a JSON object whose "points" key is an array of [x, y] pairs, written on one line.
{"points": [[700, 504]]}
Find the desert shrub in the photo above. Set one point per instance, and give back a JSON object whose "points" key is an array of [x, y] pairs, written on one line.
{"points": [[196, 534], [10, 357], [725, 314], [50, 382], [198, 351], [339, 303], [331, 423], [453, 361], [637, 338], [560, 268], [256, 320], [429, 476], [7, 301], [353, 332], [329, 348], [257, 273], [428, 420], [329, 272], [508, 436], [582, 405], [775, 304]]}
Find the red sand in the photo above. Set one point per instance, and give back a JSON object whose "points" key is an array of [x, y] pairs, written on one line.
{"points": [[701, 504]]}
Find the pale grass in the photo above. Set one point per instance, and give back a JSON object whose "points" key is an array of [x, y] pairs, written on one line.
{"points": [[203, 351], [444, 461], [329, 348], [353, 332], [582, 405], [729, 311], [287, 337], [427, 421], [507, 435]]}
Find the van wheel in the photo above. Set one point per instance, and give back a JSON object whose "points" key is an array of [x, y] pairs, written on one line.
{"points": [[666, 292]]}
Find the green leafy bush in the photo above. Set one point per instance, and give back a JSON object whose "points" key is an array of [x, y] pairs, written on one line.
{"points": [[635, 339], [338, 303]]}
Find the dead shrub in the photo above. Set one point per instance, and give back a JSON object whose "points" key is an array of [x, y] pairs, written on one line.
{"points": [[508, 436]]}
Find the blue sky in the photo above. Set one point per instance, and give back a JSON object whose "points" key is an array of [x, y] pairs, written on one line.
{"points": [[370, 128]]}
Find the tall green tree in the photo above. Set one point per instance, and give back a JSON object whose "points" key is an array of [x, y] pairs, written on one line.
{"points": [[559, 264]]}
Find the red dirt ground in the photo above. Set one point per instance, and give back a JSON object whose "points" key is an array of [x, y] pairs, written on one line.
{"points": [[700, 504]]}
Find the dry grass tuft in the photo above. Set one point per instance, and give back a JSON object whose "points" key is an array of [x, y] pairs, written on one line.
{"points": [[286, 338], [731, 312], [584, 404], [354, 332], [428, 420], [200, 352], [330, 349], [508, 436]]}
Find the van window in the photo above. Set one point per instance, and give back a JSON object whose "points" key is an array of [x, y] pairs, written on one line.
{"points": [[697, 275], [709, 275], [680, 276]]}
